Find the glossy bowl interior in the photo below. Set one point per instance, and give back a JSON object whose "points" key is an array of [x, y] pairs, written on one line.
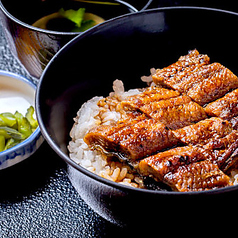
{"points": [[17, 94], [34, 47], [154, 38]]}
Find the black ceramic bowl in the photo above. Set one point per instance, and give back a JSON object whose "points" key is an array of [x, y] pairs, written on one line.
{"points": [[126, 48], [34, 47]]}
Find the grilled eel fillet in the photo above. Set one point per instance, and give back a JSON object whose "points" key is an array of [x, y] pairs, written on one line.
{"points": [[203, 131], [175, 112], [225, 107], [135, 138], [131, 139], [218, 155], [198, 176], [149, 95], [185, 169], [178, 116], [193, 75]]}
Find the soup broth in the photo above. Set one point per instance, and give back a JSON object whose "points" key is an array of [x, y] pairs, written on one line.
{"points": [[30, 11]]}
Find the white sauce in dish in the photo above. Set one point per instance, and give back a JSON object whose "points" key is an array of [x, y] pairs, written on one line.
{"points": [[13, 104], [15, 95]]}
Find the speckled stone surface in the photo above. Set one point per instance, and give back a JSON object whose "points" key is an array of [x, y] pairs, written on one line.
{"points": [[36, 196]]}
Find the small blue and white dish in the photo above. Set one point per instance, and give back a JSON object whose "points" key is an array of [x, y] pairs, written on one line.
{"points": [[17, 94]]}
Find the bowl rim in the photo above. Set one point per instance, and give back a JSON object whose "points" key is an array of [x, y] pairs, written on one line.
{"points": [[58, 33], [83, 170], [37, 131]]}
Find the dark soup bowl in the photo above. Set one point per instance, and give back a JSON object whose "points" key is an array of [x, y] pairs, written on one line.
{"points": [[35, 42], [126, 48]]}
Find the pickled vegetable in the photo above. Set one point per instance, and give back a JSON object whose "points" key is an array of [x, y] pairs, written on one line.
{"points": [[30, 118], [2, 143], [7, 119], [14, 128]]}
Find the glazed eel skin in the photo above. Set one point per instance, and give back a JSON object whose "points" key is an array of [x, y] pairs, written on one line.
{"points": [[193, 75], [132, 139], [183, 131], [217, 156]]}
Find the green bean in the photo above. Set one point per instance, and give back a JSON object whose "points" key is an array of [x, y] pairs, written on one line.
{"points": [[24, 126], [29, 117], [2, 143], [10, 133], [14, 128], [11, 142], [8, 119]]}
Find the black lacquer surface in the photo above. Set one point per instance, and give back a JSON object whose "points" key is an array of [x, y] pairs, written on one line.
{"points": [[162, 35]]}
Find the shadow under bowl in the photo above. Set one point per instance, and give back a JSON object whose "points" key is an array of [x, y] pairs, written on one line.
{"points": [[141, 41]]}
